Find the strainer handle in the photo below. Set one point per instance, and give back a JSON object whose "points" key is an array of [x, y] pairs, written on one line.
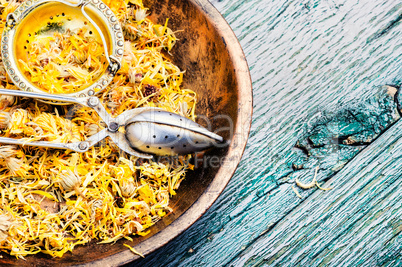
{"points": [[80, 147], [92, 101]]}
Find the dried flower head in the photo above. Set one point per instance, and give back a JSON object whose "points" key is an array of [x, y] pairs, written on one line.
{"points": [[141, 14], [133, 227], [132, 31], [70, 181], [5, 224], [38, 130], [7, 151], [96, 210], [5, 120], [56, 241], [19, 118], [127, 188], [6, 100], [150, 89], [16, 166], [134, 76], [120, 220], [93, 129], [163, 197]]}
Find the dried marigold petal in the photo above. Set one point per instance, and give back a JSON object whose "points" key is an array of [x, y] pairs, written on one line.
{"points": [[5, 120]]}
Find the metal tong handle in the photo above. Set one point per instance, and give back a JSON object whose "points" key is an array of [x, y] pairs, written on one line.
{"points": [[82, 4], [91, 102]]}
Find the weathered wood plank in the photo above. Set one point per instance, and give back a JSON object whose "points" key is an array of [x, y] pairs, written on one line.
{"points": [[304, 57], [335, 137], [359, 221]]}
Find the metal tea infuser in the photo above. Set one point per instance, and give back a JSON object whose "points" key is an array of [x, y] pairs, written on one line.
{"points": [[141, 132]]}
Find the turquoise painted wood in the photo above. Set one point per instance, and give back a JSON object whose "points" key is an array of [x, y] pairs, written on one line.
{"points": [[311, 61], [357, 226]]}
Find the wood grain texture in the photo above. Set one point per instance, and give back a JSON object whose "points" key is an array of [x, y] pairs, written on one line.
{"points": [[335, 137], [304, 57], [357, 223]]}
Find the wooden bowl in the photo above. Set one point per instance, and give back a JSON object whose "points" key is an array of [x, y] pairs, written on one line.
{"points": [[217, 70]]}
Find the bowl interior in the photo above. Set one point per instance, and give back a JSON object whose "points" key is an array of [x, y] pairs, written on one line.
{"points": [[210, 71]]}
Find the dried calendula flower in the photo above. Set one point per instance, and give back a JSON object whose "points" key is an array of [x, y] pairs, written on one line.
{"points": [[163, 196], [127, 188], [133, 227], [7, 151], [131, 31], [96, 210], [141, 14], [5, 224], [120, 220], [5, 119], [6, 100], [38, 130], [134, 76], [70, 181], [150, 89], [56, 241], [93, 129], [16, 166], [19, 118]]}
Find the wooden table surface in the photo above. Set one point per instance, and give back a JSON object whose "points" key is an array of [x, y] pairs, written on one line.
{"points": [[324, 73]]}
